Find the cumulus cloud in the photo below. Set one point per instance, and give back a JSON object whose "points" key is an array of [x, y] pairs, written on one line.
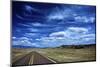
{"points": [[56, 16], [30, 8], [78, 29], [69, 32], [39, 24], [84, 19], [33, 30], [13, 37], [69, 36], [59, 24], [59, 14], [50, 41], [23, 41], [73, 35], [30, 34], [89, 36], [58, 34], [65, 14]]}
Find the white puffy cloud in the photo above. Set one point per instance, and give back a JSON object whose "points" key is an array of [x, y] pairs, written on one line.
{"points": [[23, 41], [23, 38], [69, 36], [72, 35], [39, 24], [56, 16], [36, 24], [70, 32], [85, 19], [13, 37], [92, 19], [58, 34], [78, 29], [33, 30], [29, 8], [65, 14], [30, 34], [89, 35], [59, 14]]}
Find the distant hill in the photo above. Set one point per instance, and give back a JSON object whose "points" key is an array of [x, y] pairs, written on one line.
{"points": [[77, 46], [62, 46], [19, 46]]}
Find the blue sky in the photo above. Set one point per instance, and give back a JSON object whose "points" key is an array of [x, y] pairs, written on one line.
{"points": [[52, 25]]}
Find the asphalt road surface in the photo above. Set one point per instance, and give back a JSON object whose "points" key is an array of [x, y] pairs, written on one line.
{"points": [[33, 58]]}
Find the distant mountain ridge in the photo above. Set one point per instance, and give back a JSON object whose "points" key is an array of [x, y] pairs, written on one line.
{"points": [[62, 46], [78, 46], [19, 46]]}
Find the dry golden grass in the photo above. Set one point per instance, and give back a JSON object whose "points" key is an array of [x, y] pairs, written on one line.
{"points": [[60, 54]]}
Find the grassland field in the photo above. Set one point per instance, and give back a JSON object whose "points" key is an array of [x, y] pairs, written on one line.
{"points": [[59, 54]]}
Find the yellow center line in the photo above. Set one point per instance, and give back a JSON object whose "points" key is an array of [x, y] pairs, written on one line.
{"points": [[31, 60]]}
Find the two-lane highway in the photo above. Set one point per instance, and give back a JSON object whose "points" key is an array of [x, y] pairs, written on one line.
{"points": [[33, 58]]}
